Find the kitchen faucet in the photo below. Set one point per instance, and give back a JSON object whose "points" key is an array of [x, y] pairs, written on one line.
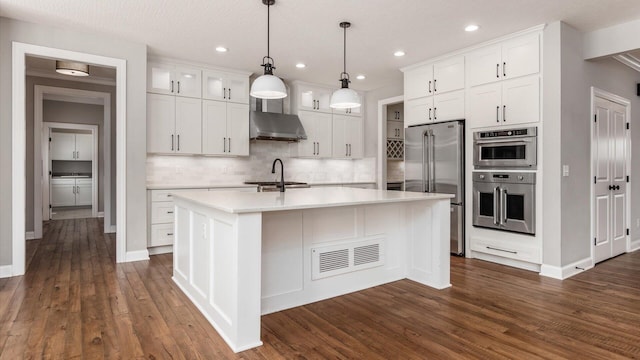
{"points": [[273, 171]]}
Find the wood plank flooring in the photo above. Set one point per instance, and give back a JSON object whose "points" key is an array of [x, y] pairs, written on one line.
{"points": [[76, 303]]}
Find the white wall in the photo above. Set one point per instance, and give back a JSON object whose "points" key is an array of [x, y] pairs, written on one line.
{"points": [[136, 57]]}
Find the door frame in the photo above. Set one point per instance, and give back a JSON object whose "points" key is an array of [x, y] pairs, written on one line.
{"points": [[596, 92], [44, 189], [40, 190], [18, 144], [382, 139]]}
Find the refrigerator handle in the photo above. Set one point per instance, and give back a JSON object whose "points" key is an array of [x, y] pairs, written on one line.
{"points": [[503, 206], [496, 205], [425, 164], [432, 162]]}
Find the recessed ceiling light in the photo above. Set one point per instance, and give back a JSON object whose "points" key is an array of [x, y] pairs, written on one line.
{"points": [[301, 65], [471, 27], [221, 49], [361, 77], [399, 53]]}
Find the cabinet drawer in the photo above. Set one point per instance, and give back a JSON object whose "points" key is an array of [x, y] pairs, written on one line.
{"points": [[508, 249], [81, 182], [161, 235], [165, 195], [162, 212], [63, 182]]}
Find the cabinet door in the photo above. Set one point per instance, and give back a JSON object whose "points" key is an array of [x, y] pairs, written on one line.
{"points": [[161, 112], [62, 192], [521, 57], [188, 82], [484, 65], [83, 192], [213, 85], [323, 98], [521, 100], [237, 89], [323, 134], [418, 111], [339, 145], [159, 77], [307, 148], [84, 147], [354, 134], [418, 82], [62, 146], [448, 106], [485, 103], [314, 99], [238, 129], [392, 130], [161, 235], [214, 127], [188, 126], [357, 111], [448, 75]]}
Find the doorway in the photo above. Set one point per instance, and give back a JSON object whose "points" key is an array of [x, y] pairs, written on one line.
{"points": [[611, 162], [390, 174], [18, 152]]}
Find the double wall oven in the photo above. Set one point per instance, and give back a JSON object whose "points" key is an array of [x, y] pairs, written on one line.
{"points": [[504, 194]]}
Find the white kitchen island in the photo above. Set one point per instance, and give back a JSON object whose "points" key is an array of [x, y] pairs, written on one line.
{"points": [[240, 255]]}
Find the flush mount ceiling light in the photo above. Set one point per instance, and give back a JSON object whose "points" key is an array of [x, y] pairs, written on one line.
{"points": [[72, 68], [344, 98], [471, 27], [268, 86]]}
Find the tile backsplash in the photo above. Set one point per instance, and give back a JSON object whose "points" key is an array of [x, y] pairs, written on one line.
{"points": [[209, 170]]}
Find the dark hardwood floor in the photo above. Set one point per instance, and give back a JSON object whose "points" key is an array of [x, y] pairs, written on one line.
{"points": [[75, 302]]}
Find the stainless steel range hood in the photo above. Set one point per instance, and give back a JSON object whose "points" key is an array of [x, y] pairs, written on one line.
{"points": [[268, 122]]}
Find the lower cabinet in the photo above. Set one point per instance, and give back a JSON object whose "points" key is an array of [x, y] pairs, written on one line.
{"points": [[71, 192]]}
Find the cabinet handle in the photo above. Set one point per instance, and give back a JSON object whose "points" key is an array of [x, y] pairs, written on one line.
{"points": [[429, 113], [504, 69], [172, 142], [224, 95], [178, 142], [77, 154], [434, 85], [229, 93], [171, 85], [349, 149], [169, 234], [229, 139], [170, 212], [507, 251], [504, 113], [224, 144], [318, 148], [178, 87], [346, 149], [429, 86], [497, 113], [498, 71], [434, 114], [73, 190]]}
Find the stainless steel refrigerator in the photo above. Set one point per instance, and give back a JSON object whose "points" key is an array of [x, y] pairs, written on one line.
{"points": [[434, 162]]}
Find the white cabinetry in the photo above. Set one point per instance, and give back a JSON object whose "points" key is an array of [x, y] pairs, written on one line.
{"points": [[507, 60], [442, 107], [171, 79], [225, 129], [508, 102], [440, 77], [318, 128], [174, 124], [312, 98], [71, 192], [71, 146], [347, 137], [224, 86], [395, 129]]}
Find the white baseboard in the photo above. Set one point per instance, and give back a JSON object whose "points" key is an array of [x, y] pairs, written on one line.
{"points": [[634, 246], [100, 214], [111, 230], [506, 261], [5, 271], [30, 235], [567, 271], [136, 255], [157, 250]]}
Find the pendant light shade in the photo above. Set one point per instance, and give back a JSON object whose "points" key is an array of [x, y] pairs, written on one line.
{"points": [[268, 86], [72, 68], [345, 98]]}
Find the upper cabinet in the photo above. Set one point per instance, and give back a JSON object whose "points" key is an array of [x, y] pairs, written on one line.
{"points": [[433, 79], [507, 60], [313, 98], [318, 127], [223, 86], [71, 146], [176, 80], [224, 131], [347, 137], [173, 125]]}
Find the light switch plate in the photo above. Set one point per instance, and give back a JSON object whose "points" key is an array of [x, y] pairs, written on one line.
{"points": [[565, 170]]}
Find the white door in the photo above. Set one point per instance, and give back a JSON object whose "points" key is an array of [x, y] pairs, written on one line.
{"points": [[483, 65], [84, 147], [187, 82], [323, 134], [449, 106], [609, 155], [159, 78], [521, 100], [237, 89], [485, 105], [308, 148], [418, 111], [62, 192], [354, 134], [340, 146], [214, 127], [521, 57], [83, 192], [213, 85], [62, 146], [238, 129], [418, 82], [188, 125], [161, 114], [448, 75]]}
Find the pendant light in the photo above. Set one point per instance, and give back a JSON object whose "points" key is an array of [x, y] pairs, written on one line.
{"points": [[268, 86], [345, 98], [72, 68]]}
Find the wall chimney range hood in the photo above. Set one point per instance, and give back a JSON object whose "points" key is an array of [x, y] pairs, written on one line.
{"points": [[268, 122]]}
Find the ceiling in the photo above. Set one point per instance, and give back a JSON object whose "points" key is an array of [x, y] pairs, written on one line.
{"points": [[307, 31]]}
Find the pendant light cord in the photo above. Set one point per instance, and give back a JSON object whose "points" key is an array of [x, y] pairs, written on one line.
{"points": [[268, 27], [345, 50]]}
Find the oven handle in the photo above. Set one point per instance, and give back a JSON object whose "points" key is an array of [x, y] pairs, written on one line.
{"points": [[503, 206], [511, 140], [496, 205]]}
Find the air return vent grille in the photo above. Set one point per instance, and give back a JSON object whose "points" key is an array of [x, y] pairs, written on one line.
{"points": [[346, 257]]}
